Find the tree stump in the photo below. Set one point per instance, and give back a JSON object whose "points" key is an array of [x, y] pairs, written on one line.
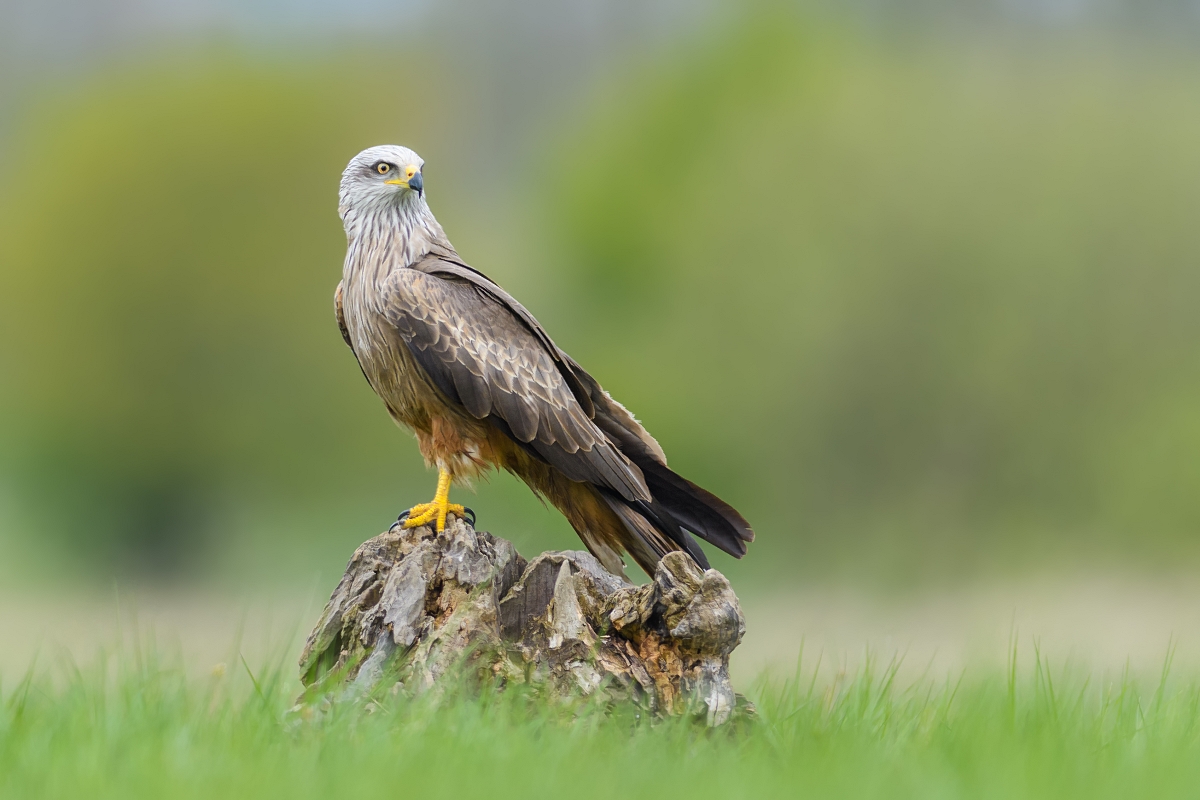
{"points": [[414, 605]]}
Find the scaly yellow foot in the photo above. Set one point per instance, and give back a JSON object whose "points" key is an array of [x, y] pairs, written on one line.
{"points": [[437, 509]]}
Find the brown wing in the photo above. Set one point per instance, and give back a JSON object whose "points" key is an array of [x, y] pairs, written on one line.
{"points": [[674, 504], [483, 353], [446, 264]]}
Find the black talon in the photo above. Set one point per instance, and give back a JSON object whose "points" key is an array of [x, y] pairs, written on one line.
{"points": [[400, 519], [471, 513]]}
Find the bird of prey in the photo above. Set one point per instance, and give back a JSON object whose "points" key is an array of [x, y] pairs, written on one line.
{"points": [[457, 360]]}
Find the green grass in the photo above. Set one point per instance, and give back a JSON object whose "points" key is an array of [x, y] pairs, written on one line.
{"points": [[141, 727]]}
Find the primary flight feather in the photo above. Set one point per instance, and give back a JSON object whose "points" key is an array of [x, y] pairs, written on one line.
{"points": [[462, 364]]}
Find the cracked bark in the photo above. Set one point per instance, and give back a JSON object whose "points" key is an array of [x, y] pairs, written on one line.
{"points": [[414, 604]]}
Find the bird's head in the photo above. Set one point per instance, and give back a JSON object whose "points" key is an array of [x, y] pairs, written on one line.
{"points": [[387, 175]]}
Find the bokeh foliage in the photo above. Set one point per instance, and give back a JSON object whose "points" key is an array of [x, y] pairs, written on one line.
{"points": [[943, 292], [921, 296], [170, 248]]}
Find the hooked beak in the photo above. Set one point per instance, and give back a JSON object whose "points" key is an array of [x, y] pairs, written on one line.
{"points": [[412, 179]]}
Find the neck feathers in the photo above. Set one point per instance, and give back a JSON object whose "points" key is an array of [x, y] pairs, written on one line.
{"points": [[388, 236]]}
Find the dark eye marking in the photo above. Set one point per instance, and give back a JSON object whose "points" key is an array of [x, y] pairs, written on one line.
{"points": [[383, 167]]}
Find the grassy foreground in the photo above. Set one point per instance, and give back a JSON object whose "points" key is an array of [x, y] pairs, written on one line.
{"points": [[139, 727]]}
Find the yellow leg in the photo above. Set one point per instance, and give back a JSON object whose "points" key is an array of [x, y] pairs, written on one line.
{"points": [[425, 513]]}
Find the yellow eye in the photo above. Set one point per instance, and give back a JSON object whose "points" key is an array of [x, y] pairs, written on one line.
{"points": [[383, 168]]}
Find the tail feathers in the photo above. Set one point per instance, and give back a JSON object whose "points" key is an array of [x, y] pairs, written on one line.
{"points": [[650, 537], [697, 510], [663, 520], [679, 509]]}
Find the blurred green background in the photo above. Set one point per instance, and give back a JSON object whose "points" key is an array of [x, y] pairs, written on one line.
{"points": [[914, 285]]}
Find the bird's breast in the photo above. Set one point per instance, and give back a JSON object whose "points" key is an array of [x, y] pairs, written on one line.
{"points": [[384, 356]]}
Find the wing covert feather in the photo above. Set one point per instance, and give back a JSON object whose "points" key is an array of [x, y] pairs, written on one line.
{"points": [[446, 264], [481, 354]]}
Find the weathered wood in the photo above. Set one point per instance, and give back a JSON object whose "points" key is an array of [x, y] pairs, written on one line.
{"points": [[413, 604]]}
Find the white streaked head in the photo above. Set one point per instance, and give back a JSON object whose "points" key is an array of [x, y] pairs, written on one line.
{"points": [[384, 177]]}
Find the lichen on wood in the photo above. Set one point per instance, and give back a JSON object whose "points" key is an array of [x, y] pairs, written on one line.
{"points": [[414, 605]]}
